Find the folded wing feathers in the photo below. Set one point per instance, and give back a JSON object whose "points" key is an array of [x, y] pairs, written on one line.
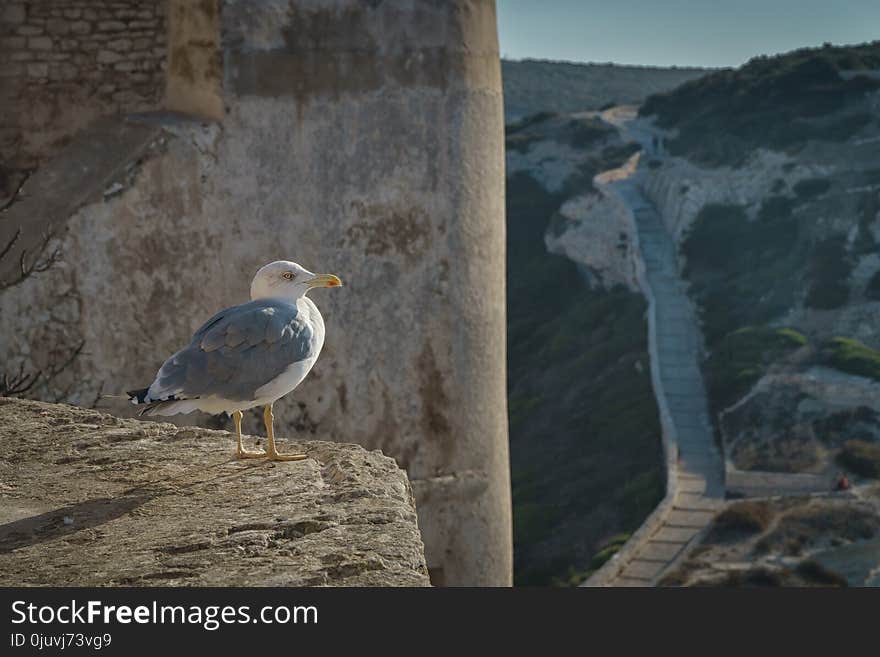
{"points": [[245, 330]]}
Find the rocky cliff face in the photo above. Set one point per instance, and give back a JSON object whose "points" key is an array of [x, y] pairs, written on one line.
{"points": [[89, 499], [680, 189], [591, 226]]}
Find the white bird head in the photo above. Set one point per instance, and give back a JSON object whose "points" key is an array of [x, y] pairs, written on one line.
{"points": [[283, 279]]}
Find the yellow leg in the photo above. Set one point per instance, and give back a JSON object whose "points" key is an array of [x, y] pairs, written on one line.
{"points": [[241, 452], [271, 452]]}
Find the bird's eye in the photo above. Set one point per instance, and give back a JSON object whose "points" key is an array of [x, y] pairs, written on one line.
{"points": [[288, 275]]}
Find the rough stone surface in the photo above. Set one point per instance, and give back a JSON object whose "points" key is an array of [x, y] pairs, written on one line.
{"points": [[391, 177], [69, 69], [600, 232], [88, 499]]}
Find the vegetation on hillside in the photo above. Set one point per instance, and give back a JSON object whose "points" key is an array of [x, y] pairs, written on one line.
{"points": [[861, 457], [738, 520], [773, 102], [584, 430], [742, 357], [531, 85], [852, 357], [743, 273]]}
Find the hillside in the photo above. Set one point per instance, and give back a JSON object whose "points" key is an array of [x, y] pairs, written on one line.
{"points": [[584, 429], [770, 184], [779, 103], [532, 86], [767, 180]]}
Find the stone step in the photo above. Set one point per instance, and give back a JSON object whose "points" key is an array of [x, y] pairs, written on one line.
{"points": [[657, 551], [642, 569], [683, 518], [692, 486], [631, 582], [667, 534]]}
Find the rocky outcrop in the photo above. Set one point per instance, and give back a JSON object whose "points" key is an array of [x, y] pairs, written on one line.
{"points": [[794, 421], [597, 232], [89, 499], [832, 539], [572, 156], [680, 189]]}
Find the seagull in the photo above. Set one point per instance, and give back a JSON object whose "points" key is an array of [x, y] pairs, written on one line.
{"points": [[247, 355]]}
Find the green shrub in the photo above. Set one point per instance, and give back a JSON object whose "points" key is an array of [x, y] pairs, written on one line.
{"points": [[738, 520], [743, 272], [528, 121], [829, 270], [861, 457], [815, 573], [776, 102], [776, 208], [521, 143], [810, 188], [741, 358], [852, 357], [608, 550], [584, 133], [718, 232], [872, 291], [816, 524]]}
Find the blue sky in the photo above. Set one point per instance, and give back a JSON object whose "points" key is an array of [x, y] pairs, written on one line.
{"points": [[678, 32]]}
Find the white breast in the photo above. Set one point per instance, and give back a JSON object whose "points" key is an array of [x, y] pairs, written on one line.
{"points": [[294, 374]]}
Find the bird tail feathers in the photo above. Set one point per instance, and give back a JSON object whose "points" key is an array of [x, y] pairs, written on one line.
{"points": [[169, 406], [138, 396]]}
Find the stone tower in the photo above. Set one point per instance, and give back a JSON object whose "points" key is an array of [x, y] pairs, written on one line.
{"points": [[359, 138]]}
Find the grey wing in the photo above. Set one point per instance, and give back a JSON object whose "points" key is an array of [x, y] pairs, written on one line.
{"points": [[236, 352]]}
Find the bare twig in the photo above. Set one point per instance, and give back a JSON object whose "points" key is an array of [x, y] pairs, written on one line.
{"points": [[17, 193], [38, 265], [17, 384], [20, 382], [55, 371], [8, 247]]}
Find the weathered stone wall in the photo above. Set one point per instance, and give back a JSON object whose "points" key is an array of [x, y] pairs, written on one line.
{"points": [[362, 139], [65, 62]]}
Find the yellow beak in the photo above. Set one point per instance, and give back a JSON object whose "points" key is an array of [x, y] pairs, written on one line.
{"points": [[325, 280]]}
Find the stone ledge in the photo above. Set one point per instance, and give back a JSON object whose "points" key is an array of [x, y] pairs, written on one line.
{"points": [[88, 499]]}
